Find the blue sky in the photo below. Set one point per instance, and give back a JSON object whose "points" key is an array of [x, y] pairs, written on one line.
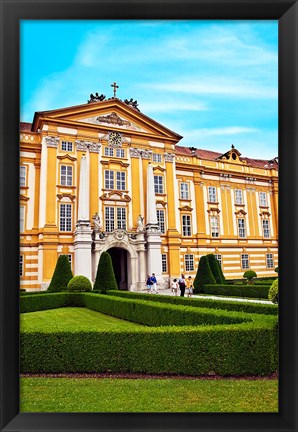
{"points": [[213, 82]]}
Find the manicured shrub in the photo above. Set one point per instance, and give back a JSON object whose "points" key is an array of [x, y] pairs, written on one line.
{"points": [[276, 269], [79, 283], [38, 302], [204, 275], [215, 268], [252, 291], [105, 276], [273, 292], [203, 302], [61, 276], [22, 290], [249, 275]]}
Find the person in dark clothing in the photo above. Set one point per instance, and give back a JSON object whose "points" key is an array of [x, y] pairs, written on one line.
{"points": [[182, 285]]}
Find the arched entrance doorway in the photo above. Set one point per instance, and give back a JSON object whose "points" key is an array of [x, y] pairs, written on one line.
{"points": [[120, 260]]}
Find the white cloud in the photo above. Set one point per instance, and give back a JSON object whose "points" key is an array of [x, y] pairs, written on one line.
{"points": [[153, 107], [217, 86]]}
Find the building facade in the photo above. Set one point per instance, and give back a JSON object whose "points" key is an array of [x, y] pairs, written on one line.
{"points": [[103, 176]]}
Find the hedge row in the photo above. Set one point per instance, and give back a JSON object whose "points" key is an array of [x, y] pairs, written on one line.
{"points": [[245, 348], [240, 350], [140, 311], [254, 291], [266, 309], [38, 302]]}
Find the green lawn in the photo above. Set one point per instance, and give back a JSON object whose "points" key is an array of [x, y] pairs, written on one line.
{"points": [[74, 318], [147, 395]]}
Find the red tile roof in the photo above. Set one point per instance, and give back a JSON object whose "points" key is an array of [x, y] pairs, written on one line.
{"points": [[25, 126], [211, 155]]}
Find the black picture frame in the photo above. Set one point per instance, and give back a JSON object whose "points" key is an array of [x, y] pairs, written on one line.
{"points": [[286, 12]]}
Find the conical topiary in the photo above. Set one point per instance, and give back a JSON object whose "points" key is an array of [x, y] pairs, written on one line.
{"points": [[105, 276], [61, 276], [215, 268], [204, 275]]}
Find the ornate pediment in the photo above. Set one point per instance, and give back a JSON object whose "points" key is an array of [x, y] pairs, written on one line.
{"points": [[240, 213], [115, 196], [114, 120], [185, 208], [67, 156]]}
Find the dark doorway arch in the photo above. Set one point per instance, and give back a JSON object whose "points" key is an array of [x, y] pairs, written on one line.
{"points": [[120, 260]]}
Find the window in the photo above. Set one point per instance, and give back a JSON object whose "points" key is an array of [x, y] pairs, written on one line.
{"points": [[120, 153], [109, 179], [66, 175], [158, 184], [109, 218], [241, 228], [156, 157], [22, 218], [164, 264], [161, 220], [121, 218], [219, 259], [184, 193], [214, 226], [238, 196], [120, 180], [186, 225], [263, 199], [66, 145], [244, 262], [22, 175], [269, 261], [109, 151], [65, 217], [21, 265], [189, 262], [266, 230], [212, 194]]}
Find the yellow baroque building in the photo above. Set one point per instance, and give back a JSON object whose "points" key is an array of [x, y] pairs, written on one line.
{"points": [[103, 176]]}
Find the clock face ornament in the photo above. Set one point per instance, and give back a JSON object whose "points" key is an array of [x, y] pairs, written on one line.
{"points": [[115, 139]]}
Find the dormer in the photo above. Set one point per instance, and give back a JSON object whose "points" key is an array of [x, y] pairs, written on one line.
{"points": [[232, 156]]}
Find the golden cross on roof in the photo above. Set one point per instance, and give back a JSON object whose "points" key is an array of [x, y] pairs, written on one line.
{"points": [[115, 87]]}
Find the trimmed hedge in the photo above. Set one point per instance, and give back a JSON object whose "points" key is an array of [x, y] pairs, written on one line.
{"points": [[254, 291], [45, 301], [265, 309], [245, 348], [240, 350]]}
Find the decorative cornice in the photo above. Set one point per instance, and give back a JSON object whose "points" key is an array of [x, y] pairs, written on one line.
{"points": [[115, 196], [66, 195], [240, 212], [169, 157], [265, 213], [185, 208], [84, 145], [67, 156], [134, 153], [213, 210], [24, 198], [146, 154], [114, 161], [159, 168], [52, 141]]}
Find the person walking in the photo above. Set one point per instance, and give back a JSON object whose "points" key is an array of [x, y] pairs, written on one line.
{"points": [[182, 285], [149, 283], [175, 287], [154, 282], [189, 286]]}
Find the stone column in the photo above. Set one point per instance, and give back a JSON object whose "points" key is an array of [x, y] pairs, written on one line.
{"points": [[153, 231], [82, 234]]}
